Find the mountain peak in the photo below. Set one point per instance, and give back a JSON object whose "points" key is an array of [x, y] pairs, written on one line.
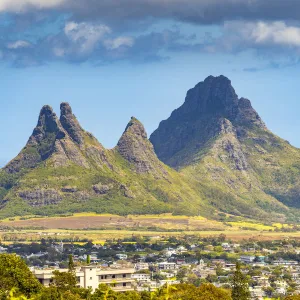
{"points": [[223, 78], [192, 125], [135, 147], [41, 143], [214, 95], [47, 123], [70, 123], [135, 127]]}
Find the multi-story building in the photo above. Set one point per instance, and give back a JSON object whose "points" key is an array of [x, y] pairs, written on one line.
{"points": [[141, 266], [282, 262], [167, 266], [119, 279], [247, 259]]}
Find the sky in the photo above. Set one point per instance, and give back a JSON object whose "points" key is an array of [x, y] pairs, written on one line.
{"points": [[113, 59]]}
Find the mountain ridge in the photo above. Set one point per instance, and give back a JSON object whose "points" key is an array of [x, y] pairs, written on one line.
{"points": [[213, 155]]}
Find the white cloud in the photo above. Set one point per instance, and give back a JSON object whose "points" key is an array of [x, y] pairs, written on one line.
{"points": [[118, 42], [22, 5], [265, 33], [18, 44], [86, 35]]}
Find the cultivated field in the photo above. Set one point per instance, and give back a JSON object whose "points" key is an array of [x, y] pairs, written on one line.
{"points": [[98, 228]]}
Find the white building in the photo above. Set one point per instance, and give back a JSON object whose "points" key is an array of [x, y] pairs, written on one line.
{"points": [[247, 259], [282, 262], [121, 256], [119, 279], [167, 266], [141, 266], [3, 250], [141, 277]]}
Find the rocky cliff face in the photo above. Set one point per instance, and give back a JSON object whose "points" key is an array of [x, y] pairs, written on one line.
{"points": [[70, 124], [220, 140], [49, 141], [41, 143], [179, 138], [135, 147]]}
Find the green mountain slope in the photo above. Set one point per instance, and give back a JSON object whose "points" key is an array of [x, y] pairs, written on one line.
{"points": [[241, 167], [65, 169]]}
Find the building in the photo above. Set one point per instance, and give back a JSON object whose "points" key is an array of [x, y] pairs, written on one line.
{"points": [[122, 256], [141, 277], [167, 266], [119, 279], [282, 262], [247, 259], [141, 266], [3, 250]]}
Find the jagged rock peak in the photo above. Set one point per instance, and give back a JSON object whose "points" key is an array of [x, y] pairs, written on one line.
{"points": [[70, 123], [247, 114], [41, 143], [136, 127], [137, 149], [48, 123], [47, 119]]}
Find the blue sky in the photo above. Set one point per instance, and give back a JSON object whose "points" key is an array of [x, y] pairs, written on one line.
{"points": [[115, 59]]}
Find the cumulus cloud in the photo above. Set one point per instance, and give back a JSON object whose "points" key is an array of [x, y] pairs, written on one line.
{"points": [[93, 42], [96, 30], [85, 36], [259, 35], [276, 33]]}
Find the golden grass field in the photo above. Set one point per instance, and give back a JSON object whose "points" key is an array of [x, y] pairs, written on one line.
{"points": [[99, 228]]}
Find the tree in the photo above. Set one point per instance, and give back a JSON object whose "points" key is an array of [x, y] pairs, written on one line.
{"points": [[71, 263], [64, 280], [14, 274], [210, 292], [103, 292], [240, 287], [190, 292], [88, 259], [182, 273]]}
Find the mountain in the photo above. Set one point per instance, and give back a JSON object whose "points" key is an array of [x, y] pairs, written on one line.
{"points": [[213, 156], [64, 169], [218, 139]]}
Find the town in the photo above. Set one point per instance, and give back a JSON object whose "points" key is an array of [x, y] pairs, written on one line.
{"points": [[142, 263]]}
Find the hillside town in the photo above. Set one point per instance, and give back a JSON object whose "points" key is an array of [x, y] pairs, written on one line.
{"points": [[141, 264]]}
